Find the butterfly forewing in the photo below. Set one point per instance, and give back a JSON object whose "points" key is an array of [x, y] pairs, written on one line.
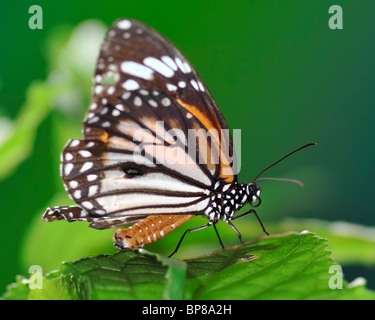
{"points": [[135, 57]]}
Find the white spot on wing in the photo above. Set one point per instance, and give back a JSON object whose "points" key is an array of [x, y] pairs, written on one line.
{"points": [[124, 24], [201, 86], [120, 106], [116, 113], [85, 153], [68, 156], [194, 84], [68, 169], [93, 120], [98, 89], [169, 61], [74, 143], [171, 87], [92, 190], [182, 84], [158, 66], [111, 90], [153, 103], [73, 184], [137, 101], [77, 194], [130, 85], [92, 177], [180, 64], [187, 67], [138, 70], [86, 166], [93, 106], [166, 102], [88, 205]]}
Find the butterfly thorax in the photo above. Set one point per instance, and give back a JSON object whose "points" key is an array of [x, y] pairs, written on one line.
{"points": [[228, 198]]}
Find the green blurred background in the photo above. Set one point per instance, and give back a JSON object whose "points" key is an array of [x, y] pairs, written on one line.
{"points": [[275, 68]]}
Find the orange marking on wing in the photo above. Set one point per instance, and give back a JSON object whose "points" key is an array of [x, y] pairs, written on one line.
{"points": [[200, 116], [149, 230], [209, 127], [103, 137], [97, 134], [215, 133], [226, 178]]}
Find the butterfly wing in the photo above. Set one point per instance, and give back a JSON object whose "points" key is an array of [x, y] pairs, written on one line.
{"points": [[134, 56], [153, 136]]}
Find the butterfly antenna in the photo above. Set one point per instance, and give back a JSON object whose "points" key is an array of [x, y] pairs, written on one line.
{"points": [[282, 179], [278, 161]]}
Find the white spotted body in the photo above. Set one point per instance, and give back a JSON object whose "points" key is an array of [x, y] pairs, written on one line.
{"points": [[227, 199]]}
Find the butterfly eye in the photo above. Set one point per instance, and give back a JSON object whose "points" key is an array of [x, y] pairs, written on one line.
{"points": [[132, 172]]}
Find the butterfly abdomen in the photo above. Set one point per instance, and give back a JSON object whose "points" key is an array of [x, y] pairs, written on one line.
{"points": [[148, 230]]}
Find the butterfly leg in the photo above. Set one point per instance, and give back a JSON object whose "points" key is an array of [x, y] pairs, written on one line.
{"points": [[188, 231], [256, 215], [217, 233], [235, 229]]}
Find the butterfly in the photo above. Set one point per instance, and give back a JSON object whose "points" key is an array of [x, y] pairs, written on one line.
{"points": [[156, 150]]}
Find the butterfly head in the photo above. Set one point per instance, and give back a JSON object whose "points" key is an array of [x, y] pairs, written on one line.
{"points": [[253, 194]]}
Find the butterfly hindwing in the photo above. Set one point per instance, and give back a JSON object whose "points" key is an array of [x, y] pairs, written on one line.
{"points": [[111, 183]]}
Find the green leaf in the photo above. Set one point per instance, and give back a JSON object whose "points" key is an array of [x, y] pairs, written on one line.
{"points": [[350, 243], [284, 266], [53, 289], [18, 290], [293, 266], [175, 276], [125, 275]]}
